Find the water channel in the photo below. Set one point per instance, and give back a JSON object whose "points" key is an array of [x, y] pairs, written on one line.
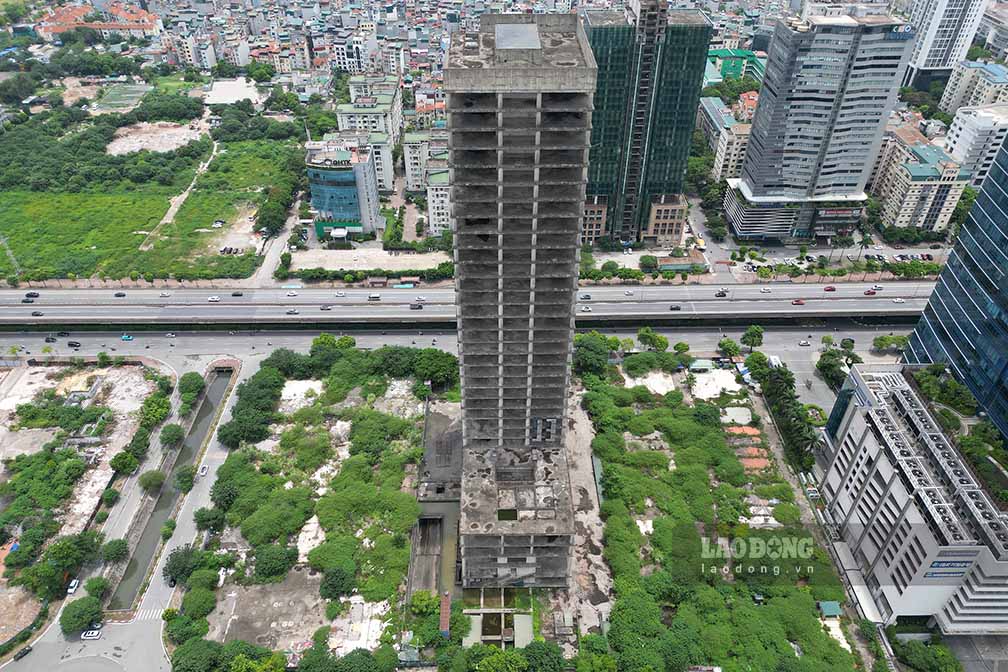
{"points": [[136, 570]]}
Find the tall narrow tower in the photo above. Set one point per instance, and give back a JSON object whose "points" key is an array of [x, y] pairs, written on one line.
{"points": [[651, 62], [519, 101]]}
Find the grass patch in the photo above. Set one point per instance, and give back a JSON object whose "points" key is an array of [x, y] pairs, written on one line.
{"points": [[175, 84]]}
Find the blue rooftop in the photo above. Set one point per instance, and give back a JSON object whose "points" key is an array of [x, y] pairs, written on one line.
{"points": [[992, 72]]}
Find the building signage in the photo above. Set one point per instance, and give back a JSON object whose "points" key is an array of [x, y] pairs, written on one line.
{"points": [[902, 32]]}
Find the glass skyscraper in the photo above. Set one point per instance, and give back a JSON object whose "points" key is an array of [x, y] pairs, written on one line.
{"points": [[965, 323], [650, 71]]}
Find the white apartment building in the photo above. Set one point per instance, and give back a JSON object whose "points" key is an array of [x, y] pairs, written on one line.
{"points": [[993, 30], [974, 83], [730, 152], [923, 191], [975, 137], [917, 533], [945, 30], [372, 113], [438, 202], [416, 151]]}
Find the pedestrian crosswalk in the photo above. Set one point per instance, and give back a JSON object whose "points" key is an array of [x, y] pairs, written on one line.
{"points": [[148, 615]]}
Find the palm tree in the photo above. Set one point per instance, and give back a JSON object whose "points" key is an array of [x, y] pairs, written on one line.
{"points": [[864, 244]]}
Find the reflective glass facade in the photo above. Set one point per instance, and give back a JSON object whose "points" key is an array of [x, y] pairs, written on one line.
{"points": [[965, 323], [334, 193]]}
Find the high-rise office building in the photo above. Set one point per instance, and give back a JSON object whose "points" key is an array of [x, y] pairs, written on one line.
{"points": [[945, 31], [830, 84], [519, 104], [921, 536], [965, 323], [651, 63], [344, 187]]}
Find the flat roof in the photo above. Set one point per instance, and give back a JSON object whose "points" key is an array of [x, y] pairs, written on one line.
{"points": [[687, 17], [517, 36], [597, 18]]}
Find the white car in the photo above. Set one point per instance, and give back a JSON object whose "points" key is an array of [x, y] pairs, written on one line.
{"points": [[203, 470], [876, 287], [170, 334], [764, 290], [72, 588], [340, 294], [628, 292], [877, 247], [899, 299], [421, 299], [213, 299], [804, 344], [585, 309], [292, 293], [164, 294], [91, 634]]}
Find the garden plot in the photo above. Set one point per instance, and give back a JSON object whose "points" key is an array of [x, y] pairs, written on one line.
{"points": [[121, 98]]}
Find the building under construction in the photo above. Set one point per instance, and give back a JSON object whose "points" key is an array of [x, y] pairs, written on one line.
{"points": [[519, 102]]}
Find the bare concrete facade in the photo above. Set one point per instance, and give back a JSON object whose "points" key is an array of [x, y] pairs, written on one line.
{"points": [[519, 101]]}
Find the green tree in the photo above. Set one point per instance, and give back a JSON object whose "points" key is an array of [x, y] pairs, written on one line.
{"points": [[115, 550], [124, 463], [151, 481], [109, 497], [544, 657], [172, 436], [198, 602], [97, 586], [729, 348], [181, 562], [509, 660], [211, 519], [185, 478], [197, 655], [191, 383], [591, 354], [753, 336], [79, 614]]}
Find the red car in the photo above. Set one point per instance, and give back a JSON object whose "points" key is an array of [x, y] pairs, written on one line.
{"points": [[829, 288], [798, 302], [869, 292]]}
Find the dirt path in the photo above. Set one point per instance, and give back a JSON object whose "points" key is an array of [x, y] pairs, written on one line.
{"points": [[176, 203]]}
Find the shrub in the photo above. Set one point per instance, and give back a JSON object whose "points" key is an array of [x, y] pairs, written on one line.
{"points": [[198, 602], [273, 561], [97, 586], [168, 529], [191, 383], [185, 478], [124, 463], [110, 496], [172, 436], [182, 628], [202, 578]]}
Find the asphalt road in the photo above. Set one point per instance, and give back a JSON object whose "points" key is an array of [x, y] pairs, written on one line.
{"points": [[274, 305]]}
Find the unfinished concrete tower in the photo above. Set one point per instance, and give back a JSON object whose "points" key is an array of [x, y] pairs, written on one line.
{"points": [[519, 119]]}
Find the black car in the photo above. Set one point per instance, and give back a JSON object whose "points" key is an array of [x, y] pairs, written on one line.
{"points": [[62, 334], [416, 306], [675, 306], [50, 339], [22, 653], [32, 295], [119, 295], [36, 313], [27, 300], [325, 307], [237, 293], [73, 344], [721, 295]]}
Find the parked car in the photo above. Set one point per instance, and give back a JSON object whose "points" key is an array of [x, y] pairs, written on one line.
{"points": [[928, 257], [72, 588], [798, 302], [90, 634], [936, 246], [22, 653], [203, 470]]}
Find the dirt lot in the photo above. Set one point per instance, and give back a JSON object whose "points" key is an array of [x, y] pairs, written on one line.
{"points": [[281, 616], [369, 255], [20, 386], [162, 136], [18, 609], [74, 90], [238, 233]]}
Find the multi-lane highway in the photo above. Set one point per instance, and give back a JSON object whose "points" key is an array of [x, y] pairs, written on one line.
{"points": [[300, 305]]}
